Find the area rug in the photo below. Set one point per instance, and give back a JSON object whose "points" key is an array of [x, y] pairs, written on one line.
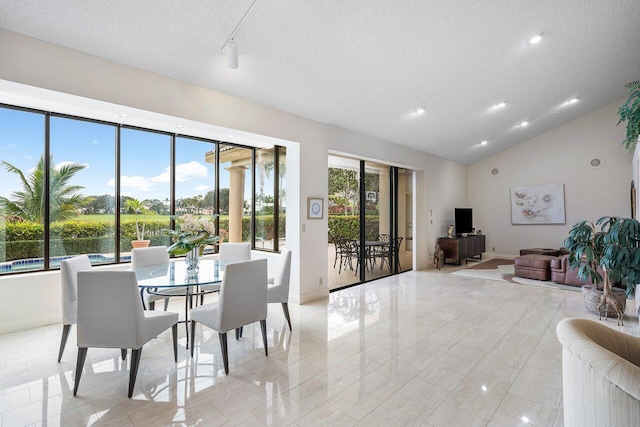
{"points": [[502, 270]]}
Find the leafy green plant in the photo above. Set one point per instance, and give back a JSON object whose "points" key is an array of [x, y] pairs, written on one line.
{"points": [[615, 248], [138, 208], [64, 199], [630, 112], [193, 232]]}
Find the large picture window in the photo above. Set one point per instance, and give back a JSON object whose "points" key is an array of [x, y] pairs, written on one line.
{"points": [[22, 217], [81, 167], [145, 189], [78, 186]]}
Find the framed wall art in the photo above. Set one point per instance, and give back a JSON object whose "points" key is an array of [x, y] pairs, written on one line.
{"points": [[538, 204], [315, 207]]}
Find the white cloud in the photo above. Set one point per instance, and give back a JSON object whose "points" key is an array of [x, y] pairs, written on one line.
{"points": [[163, 177], [139, 183], [184, 172], [202, 188], [26, 156]]}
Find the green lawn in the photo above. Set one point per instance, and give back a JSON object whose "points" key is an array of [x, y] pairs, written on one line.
{"points": [[125, 217]]}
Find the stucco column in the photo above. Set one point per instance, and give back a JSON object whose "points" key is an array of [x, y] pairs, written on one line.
{"points": [[236, 202]]}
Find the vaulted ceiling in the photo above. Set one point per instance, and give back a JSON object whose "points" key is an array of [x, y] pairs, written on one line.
{"points": [[368, 65]]}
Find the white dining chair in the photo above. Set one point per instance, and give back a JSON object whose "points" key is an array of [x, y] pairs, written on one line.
{"points": [[141, 257], [279, 291], [110, 315], [69, 269], [227, 254], [234, 252], [242, 301]]}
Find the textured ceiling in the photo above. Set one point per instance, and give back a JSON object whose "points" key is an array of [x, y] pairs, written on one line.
{"points": [[367, 65]]}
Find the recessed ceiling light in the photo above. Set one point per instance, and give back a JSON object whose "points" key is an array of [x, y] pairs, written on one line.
{"points": [[179, 126], [535, 39], [483, 143], [421, 110], [524, 124], [500, 104], [572, 101], [123, 115]]}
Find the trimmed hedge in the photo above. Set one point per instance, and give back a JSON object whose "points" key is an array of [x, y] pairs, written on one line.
{"points": [[24, 240], [349, 226]]}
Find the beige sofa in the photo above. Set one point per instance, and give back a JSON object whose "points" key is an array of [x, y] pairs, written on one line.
{"points": [[600, 374]]}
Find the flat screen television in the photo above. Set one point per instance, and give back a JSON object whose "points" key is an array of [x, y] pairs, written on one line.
{"points": [[464, 220]]}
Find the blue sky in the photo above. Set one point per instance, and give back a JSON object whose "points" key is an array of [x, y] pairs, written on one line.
{"points": [[144, 160]]}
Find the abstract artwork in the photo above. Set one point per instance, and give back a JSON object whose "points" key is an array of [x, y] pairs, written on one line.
{"points": [[538, 204]]}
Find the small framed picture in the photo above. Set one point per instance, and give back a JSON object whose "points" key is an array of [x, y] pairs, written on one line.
{"points": [[315, 207]]}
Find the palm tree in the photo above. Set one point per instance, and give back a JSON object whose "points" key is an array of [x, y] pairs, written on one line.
{"points": [[64, 199]]}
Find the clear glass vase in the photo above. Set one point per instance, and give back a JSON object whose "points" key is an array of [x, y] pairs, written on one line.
{"points": [[192, 260]]}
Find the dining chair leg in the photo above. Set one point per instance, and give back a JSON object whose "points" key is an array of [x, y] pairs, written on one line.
{"points": [[166, 304], [82, 355], [285, 308], [193, 333], [187, 306], [263, 326], [133, 370], [174, 332], [152, 305], [239, 333], [225, 351], [123, 353], [63, 341]]}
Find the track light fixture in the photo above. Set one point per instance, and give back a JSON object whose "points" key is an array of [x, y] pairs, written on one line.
{"points": [[231, 50], [230, 47]]}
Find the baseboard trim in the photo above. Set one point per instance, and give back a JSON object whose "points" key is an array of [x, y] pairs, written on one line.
{"points": [[30, 323], [300, 300]]}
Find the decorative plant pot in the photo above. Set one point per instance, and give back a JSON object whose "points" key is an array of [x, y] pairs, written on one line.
{"points": [[592, 296], [140, 243], [192, 260]]}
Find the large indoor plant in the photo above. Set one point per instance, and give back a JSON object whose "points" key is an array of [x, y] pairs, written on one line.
{"points": [[615, 248], [630, 112]]}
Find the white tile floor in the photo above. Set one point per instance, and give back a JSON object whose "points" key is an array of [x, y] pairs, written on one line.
{"points": [[422, 348]]}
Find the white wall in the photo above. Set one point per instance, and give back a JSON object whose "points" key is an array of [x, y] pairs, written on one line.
{"points": [[559, 156], [93, 82]]}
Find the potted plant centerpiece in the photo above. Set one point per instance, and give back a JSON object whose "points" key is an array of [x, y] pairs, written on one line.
{"points": [[138, 208], [192, 234], [615, 248]]}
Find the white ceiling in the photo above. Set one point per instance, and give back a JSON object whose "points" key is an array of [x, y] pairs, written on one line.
{"points": [[367, 65]]}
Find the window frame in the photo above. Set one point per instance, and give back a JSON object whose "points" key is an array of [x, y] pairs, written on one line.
{"points": [[118, 127]]}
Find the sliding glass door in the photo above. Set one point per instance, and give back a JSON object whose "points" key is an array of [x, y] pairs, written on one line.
{"points": [[344, 222], [370, 221], [378, 244]]}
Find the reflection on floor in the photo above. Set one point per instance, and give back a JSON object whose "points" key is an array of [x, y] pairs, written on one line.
{"points": [[420, 348]]}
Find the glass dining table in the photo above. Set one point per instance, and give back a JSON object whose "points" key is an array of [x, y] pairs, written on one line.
{"points": [[171, 279]]}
